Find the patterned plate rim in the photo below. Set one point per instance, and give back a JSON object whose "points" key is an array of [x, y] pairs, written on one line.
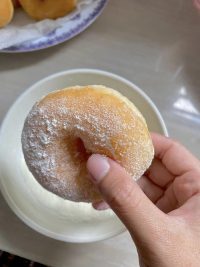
{"points": [[55, 40]]}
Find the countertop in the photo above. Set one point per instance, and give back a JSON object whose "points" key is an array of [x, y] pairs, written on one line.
{"points": [[154, 44]]}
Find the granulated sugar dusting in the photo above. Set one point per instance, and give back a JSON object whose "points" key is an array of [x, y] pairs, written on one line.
{"points": [[66, 126]]}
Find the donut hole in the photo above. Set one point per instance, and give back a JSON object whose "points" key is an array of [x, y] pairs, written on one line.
{"points": [[80, 150]]}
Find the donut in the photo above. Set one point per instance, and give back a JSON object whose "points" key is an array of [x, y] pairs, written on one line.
{"points": [[47, 9], [16, 3], [65, 127], [6, 12]]}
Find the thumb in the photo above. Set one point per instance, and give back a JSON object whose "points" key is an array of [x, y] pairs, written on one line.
{"points": [[124, 196]]}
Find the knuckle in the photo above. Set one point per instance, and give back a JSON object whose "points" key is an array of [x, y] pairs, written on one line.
{"points": [[123, 197], [187, 185], [174, 144], [180, 185], [175, 141]]}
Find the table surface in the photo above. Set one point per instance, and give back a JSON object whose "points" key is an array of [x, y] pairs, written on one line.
{"points": [[153, 43]]}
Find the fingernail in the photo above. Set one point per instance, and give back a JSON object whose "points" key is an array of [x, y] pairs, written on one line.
{"points": [[98, 166], [100, 205]]}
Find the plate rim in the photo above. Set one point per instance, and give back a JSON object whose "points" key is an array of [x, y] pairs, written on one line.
{"points": [[62, 38], [32, 224]]}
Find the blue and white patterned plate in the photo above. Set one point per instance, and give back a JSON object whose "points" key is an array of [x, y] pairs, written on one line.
{"points": [[70, 28]]}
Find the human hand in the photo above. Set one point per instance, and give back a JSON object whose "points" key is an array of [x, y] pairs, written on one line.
{"points": [[162, 210], [197, 3]]}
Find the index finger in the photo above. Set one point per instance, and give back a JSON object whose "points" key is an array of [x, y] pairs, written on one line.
{"points": [[175, 157]]}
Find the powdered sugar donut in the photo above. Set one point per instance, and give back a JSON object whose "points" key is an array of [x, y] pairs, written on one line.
{"points": [[65, 127]]}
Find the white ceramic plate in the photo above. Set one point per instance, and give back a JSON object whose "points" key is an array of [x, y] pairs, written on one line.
{"points": [[38, 208], [74, 24]]}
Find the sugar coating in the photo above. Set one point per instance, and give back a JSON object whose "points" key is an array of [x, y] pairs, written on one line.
{"points": [[102, 119]]}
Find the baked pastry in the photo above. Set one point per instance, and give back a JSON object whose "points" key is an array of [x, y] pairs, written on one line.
{"points": [[16, 3], [6, 12], [47, 9], [65, 127]]}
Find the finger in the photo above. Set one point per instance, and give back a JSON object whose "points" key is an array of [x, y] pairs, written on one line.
{"points": [[141, 262], [101, 205], [180, 191], [152, 191], [187, 191], [159, 174], [126, 198], [168, 201], [197, 3], [177, 159], [186, 186]]}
